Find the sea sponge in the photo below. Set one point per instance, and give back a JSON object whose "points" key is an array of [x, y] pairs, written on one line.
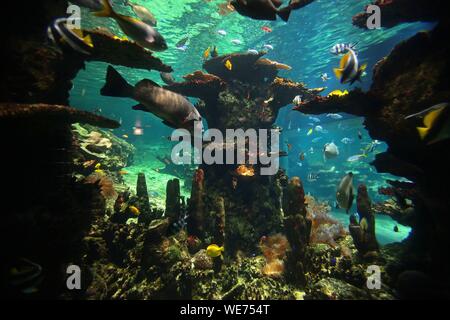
{"points": [[324, 228], [274, 268], [274, 250]]}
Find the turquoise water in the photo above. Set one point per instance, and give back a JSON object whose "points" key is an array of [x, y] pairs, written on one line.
{"points": [[303, 43]]}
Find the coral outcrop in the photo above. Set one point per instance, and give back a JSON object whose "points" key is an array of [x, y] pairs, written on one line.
{"points": [[394, 12], [297, 228], [410, 79]]}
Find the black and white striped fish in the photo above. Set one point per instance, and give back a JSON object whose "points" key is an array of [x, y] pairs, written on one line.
{"points": [[62, 35], [342, 48], [349, 68]]}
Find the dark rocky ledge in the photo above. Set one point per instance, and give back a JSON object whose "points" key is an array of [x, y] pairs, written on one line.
{"points": [[394, 12], [44, 113]]}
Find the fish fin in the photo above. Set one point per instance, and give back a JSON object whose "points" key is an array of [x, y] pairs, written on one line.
{"points": [[116, 85], [107, 11], [221, 249], [422, 132], [140, 107], [284, 13], [147, 82], [88, 40], [430, 119], [338, 72]]}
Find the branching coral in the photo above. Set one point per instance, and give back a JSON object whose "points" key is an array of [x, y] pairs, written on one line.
{"points": [[274, 250], [325, 229]]}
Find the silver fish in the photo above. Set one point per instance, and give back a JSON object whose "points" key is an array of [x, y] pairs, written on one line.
{"points": [[330, 150], [144, 35], [344, 193], [143, 13]]}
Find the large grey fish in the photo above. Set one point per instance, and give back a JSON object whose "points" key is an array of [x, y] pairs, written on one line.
{"points": [[344, 193], [262, 9], [144, 34], [174, 109]]}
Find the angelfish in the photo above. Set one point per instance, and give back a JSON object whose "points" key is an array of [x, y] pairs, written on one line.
{"points": [[144, 35], [62, 35], [174, 109], [344, 193], [349, 69]]}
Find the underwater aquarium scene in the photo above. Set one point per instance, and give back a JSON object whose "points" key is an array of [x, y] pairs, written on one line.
{"points": [[231, 150]]}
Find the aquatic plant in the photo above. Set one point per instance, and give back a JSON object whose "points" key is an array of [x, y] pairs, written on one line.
{"points": [[324, 228], [274, 250]]}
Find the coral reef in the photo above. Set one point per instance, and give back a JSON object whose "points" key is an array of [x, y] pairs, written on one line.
{"points": [[324, 228], [274, 250], [101, 146], [412, 78]]}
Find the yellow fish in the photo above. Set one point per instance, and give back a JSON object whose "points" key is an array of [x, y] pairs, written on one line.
{"points": [[125, 136], [338, 93], [436, 124], [310, 131], [228, 65], [214, 250], [123, 172], [99, 171], [206, 53], [98, 165], [134, 210]]}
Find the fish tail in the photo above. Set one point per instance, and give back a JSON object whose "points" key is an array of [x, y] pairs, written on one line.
{"points": [[222, 249], [338, 72], [284, 13], [88, 40], [116, 85], [107, 11], [422, 132]]}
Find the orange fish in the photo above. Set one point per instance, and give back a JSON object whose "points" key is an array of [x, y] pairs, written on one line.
{"points": [[123, 172], [266, 29]]}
